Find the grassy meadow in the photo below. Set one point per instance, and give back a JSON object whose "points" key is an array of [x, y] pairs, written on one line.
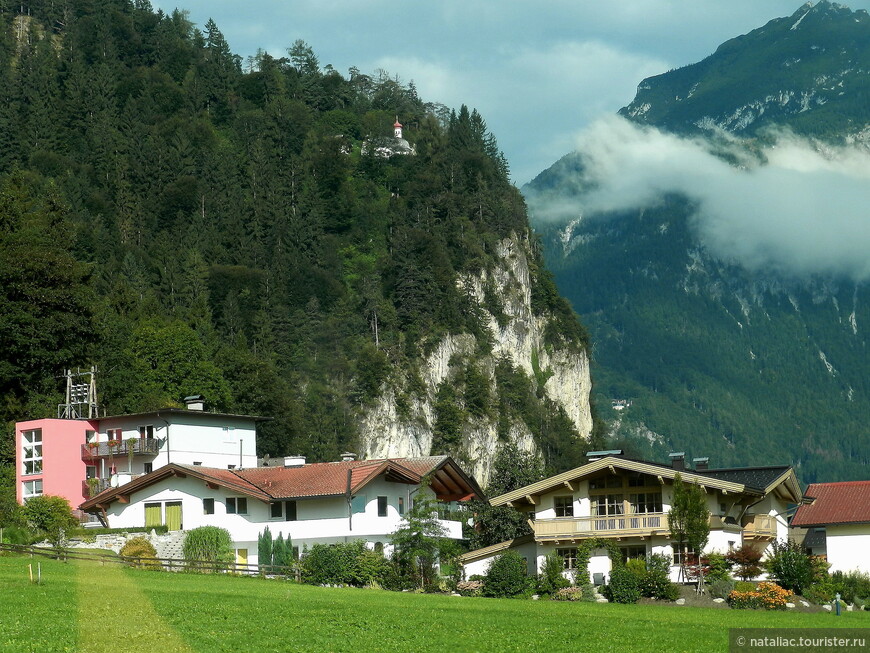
{"points": [[87, 607]]}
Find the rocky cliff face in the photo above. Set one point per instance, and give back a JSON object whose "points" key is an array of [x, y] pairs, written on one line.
{"points": [[562, 374]]}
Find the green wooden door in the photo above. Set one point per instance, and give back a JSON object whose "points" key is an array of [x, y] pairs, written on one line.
{"points": [[173, 516], [153, 515]]}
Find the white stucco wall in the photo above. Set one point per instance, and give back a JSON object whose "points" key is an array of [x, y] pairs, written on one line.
{"points": [[324, 520], [848, 547], [188, 438]]}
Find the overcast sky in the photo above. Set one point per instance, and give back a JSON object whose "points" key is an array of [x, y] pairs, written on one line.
{"points": [[538, 72]]}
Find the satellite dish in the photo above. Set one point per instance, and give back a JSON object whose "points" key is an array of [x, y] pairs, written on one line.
{"points": [[113, 481]]}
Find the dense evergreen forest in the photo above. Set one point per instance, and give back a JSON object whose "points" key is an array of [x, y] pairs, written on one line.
{"points": [[190, 222]]}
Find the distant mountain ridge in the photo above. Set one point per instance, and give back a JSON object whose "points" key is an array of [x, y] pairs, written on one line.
{"points": [[746, 367], [811, 70]]}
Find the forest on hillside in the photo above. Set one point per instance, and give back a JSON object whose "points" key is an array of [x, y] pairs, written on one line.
{"points": [[192, 223]]}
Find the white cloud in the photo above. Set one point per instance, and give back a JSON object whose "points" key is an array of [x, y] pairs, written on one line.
{"points": [[796, 209]]}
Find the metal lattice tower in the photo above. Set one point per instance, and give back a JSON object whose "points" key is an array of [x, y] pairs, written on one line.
{"points": [[81, 395]]}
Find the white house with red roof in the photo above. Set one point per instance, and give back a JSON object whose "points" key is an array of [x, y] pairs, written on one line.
{"points": [[838, 516], [319, 503]]}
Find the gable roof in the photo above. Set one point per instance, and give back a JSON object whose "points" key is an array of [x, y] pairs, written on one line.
{"points": [[448, 481], [835, 503], [728, 480]]}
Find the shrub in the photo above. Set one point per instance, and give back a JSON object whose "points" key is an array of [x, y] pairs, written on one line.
{"points": [[332, 564], [721, 588], [51, 516], [209, 544], [17, 535], [851, 585], [745, 586], [568, 594], [745, 561], [506, 576], [716, 568], [769, 596], [653, 577], [141, 548], [469, 587], [372, 568], [821, 593], [551, 579], [790, 566], [623, 587]]}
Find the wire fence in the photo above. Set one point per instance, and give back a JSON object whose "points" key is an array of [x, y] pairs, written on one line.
{"points": [[167, 564]]}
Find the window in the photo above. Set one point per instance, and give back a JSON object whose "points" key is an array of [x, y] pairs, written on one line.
{"points": [[231, 467], [379, 547], [237, 506], [646, 502], [691, 557], [208, 506], [605, 482], [291, 510], [147, 467], [31, 489], [31, 451], [632, 553], [90, 471], [115, 434], [569, 557], [607, 504], [564, 506], [401, 505], [382, 506], [358, 504], [276, 510], [197, 463], [637, 480], [90, 436], [146, 431]]}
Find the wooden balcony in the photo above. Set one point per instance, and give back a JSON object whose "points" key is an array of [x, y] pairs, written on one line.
{"points": [[140, 447], [760, 527], [573, 528], [93, 486]]}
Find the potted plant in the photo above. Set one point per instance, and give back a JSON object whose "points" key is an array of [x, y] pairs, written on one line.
{"points": [[93, 486], [131, 447]]}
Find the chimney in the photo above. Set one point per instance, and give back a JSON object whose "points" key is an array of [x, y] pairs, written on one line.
{"points": [[348, 456], [195, 402], [294, 461], [701, 464], [678, 460], [597, 455]]}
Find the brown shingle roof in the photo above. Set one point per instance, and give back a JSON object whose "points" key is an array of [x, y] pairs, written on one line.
{"points": [[835, 503]]}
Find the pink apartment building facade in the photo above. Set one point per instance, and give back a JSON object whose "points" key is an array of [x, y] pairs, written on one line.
{"points": [[79, 458]]}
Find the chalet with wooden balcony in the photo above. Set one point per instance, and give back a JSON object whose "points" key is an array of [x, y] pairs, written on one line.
{"points": [[628, 501]]}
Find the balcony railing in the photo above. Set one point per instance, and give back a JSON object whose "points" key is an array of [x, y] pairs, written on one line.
{"points": [[760, 527], [93, 486], [604, 526], [140, 447]]}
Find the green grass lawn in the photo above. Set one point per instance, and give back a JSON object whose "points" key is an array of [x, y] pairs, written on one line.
{"points": [[88, 607]]}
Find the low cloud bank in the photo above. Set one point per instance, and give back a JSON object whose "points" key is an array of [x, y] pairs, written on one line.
{"points": [[789, 208]]}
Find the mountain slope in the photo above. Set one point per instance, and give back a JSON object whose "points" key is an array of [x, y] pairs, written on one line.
{"points": [[231, 233], [739, 362]]}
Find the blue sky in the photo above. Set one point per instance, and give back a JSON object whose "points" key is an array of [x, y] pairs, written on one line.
{"points": [[538, 72]]}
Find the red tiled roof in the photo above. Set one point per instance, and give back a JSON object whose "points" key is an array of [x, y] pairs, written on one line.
{"points": [[331, 479], [313, 480], [835, 503]]}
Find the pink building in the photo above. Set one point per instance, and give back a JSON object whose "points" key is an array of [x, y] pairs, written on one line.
{"points": [[50, 457], [79, 458]]}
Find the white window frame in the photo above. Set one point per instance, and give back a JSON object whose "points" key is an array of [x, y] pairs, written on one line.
{"points": [[31, 452], [30, 489]]}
